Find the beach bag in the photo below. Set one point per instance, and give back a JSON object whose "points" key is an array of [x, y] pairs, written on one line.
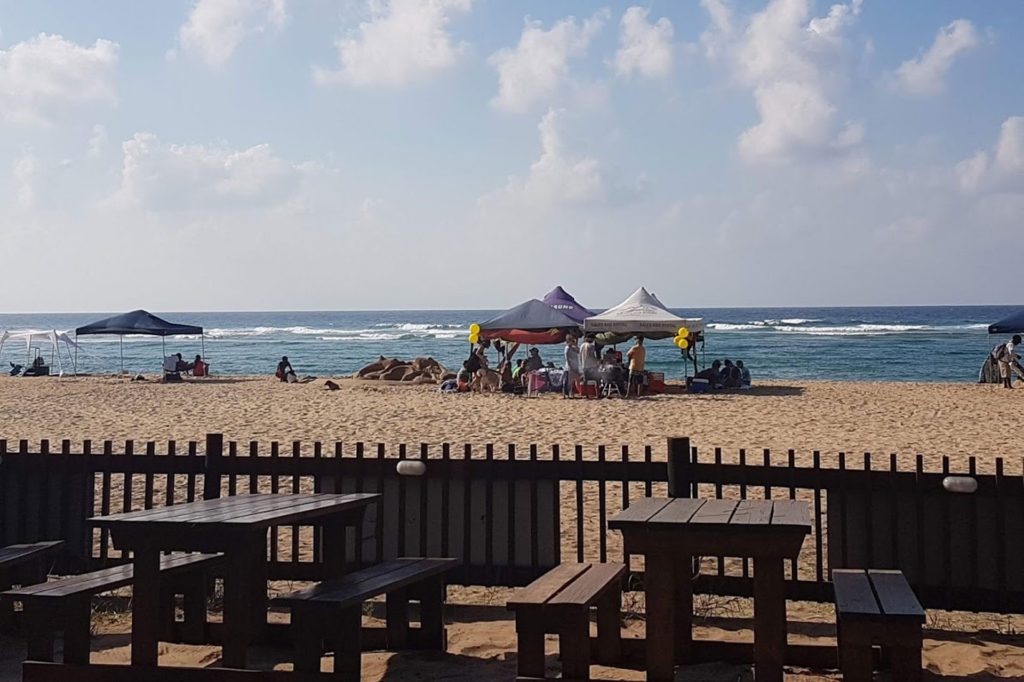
{"points": [[999, 353], [278, 374]]}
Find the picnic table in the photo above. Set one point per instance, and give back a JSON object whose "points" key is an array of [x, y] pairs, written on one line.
{"points": [[671, 531], [237, 527]]}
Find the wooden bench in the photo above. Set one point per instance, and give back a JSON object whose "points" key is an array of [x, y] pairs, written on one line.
{"points": [[559, 603], [65, 604], [25, 564], [328, 616], [877, 607]]}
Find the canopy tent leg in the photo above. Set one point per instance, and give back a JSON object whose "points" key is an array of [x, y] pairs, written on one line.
{"points": [[202, 345], [121, 337]]}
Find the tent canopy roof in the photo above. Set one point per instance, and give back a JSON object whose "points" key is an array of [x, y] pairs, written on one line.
{"points": [[533, 315], [138, 322], [562, 301], [641, 313], [1014, 324]]}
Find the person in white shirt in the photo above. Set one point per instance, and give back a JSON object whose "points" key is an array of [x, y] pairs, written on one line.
{"points": [[1008, 361], [589, 363]]}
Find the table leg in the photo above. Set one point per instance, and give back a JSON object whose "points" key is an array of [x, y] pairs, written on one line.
{"points": [[145, 606], [684, 608], [661, 615], [769, 619], [245, 597]]}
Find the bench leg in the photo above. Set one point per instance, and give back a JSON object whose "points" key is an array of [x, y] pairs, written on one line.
{"points": [[76, 631], [307, 639], [194, 589], [397, 613], [431, 595], [530, 642], [349, 648], [574, 645], [167, 609], [769, 619], [39, 632], [855, 654], [609, 633], [906, 657]]}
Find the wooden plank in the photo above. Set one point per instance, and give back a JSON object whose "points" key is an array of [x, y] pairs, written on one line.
{"points": [[589, 585], [38, 671], [368, 582], [791, 513], [677, 512], [13, 555], [752, 513], [854, 597], [714, 512], [639, 512], [548, 585], [895, 596]]}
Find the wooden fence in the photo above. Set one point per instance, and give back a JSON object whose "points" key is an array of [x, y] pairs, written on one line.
{"points": [[510, 513]]}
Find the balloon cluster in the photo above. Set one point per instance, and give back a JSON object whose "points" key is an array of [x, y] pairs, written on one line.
{"points": [[474, 332], [682, 338]]}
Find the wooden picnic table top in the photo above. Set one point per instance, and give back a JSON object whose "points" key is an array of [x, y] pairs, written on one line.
{"points": [[710, 526], [236, 513]]}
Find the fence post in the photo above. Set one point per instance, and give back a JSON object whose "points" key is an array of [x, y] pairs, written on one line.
{"points": [[211, 465], [679, 483]]}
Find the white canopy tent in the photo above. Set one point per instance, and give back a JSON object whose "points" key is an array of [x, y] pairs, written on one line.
{"points": [[641, 313], [50, 336]]}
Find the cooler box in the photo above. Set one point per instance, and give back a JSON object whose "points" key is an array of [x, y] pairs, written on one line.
{"points": [[699, 386], [656, 382], [587, 389]]}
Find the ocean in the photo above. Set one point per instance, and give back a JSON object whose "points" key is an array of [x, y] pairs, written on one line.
{"points": [[934, 343]]}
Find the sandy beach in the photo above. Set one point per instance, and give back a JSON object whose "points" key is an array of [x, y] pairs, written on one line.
{"points": [[929, 419]]}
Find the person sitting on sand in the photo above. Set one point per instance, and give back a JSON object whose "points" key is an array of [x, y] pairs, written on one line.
{"points": [[284, 369], [464, 377], [712, 374], [730, 375], [199, 367], [744, 374], [517, 371]]}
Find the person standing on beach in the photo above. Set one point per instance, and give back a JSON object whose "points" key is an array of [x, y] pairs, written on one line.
{"points": [[637, 357], [589, 364], [572, 367], [1006, 356]]}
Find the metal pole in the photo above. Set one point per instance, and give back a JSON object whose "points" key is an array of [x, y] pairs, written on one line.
{"points": [[121, 337]]}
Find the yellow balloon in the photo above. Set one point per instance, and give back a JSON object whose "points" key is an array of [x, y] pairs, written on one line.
{"points": [[473, 338], [684, 344], [474, 328], [683, 332]]}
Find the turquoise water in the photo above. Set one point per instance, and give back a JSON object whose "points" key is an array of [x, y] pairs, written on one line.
{"points": [[879, 343]]}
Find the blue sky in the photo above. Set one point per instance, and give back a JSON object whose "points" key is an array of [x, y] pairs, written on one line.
{"points": [[278, 154]]}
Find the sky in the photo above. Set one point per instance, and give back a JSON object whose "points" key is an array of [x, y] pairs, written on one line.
{"points": [[204, 155]]}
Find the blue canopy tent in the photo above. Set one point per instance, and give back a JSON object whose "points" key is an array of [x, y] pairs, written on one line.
{"points": [[562, 301], [1014, 324], [141, 322]]}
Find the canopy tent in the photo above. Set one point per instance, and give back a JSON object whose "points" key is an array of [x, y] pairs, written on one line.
{"points": [[51, 336], [641, 314], [1014, 324], [141, 322], [531, 322], [562, 301]]}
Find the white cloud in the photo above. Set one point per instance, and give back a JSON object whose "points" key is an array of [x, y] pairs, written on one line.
{"points": [[646, 49], [24, 173], [558, 177], [1002, 169], [157, 176], [215, 28], [404, 41], [792, 63], [539, 64], [926, 74], [41, 75], [97, 141]]}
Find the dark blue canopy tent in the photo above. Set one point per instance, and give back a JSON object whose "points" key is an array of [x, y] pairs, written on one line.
{"points": [[141, 322], [1014, 324]]}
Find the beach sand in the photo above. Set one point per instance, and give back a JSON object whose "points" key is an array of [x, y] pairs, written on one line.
{"points": [[931, 419]]}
